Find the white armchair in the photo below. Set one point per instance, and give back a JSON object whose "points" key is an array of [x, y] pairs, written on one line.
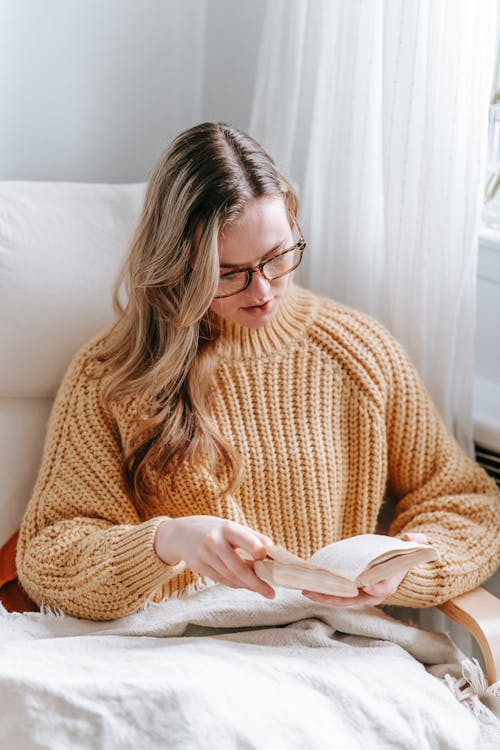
{"points": [[61, 245]]}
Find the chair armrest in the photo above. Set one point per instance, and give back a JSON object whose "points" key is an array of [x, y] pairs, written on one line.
{"points": [[478, 611]]}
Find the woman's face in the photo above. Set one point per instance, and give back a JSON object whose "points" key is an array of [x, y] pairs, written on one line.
{"points": [[263, 230]]}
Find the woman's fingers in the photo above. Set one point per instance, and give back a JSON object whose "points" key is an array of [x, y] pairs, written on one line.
{"points": [[252, 542], [207, 545], [374, 594], [216, 576], [222, 557], [386, 587], [241, 571], [415, 536], [342, 601]]}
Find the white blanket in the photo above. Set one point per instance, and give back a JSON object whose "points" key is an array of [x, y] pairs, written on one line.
{"points": [[227, 668]]}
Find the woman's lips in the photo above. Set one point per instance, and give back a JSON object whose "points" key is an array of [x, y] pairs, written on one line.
{"points": [[257, 309]]}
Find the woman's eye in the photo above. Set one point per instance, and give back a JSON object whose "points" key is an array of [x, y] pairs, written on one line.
{"points": [[281, 261], [229, 276]]}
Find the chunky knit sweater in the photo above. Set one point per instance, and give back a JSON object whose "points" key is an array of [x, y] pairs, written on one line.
{"points": [[330, 418]]}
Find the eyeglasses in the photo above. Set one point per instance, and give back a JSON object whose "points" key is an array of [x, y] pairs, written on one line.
{"points": [[273, 268]]}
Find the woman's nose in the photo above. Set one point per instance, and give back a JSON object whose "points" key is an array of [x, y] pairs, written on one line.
{"points": [[259, 281]]}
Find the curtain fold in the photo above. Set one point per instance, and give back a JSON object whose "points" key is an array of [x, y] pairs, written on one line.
{"points": [[379, 113]]}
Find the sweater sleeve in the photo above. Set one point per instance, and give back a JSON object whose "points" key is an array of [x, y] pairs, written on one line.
{"points": [[82, 547], [438, 491]]}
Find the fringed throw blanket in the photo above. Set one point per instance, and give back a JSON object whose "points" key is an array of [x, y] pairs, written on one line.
{"points": [[227, 668]]}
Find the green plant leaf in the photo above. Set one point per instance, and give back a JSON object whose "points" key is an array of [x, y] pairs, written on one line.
{"points": [[491, 188]]}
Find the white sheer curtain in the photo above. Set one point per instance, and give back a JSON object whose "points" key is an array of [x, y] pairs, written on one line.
{"points": [[379, 112]]}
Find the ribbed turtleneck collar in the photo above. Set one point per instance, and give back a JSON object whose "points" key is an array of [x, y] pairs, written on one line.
{"points": [[287, 327]]}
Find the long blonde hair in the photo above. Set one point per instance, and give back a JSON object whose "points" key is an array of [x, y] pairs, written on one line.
{"points": [[158, 351]]}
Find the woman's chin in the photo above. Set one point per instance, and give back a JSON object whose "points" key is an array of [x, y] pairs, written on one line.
{"points": [[256, 316]]}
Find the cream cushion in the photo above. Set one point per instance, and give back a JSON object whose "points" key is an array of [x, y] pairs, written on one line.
{"points": [[61, 247]]}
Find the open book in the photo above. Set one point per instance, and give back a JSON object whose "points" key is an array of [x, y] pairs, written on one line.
{"points": [[342, 567]]}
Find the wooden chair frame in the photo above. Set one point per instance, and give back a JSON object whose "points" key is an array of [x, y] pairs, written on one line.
{"points": [[478, 611]]}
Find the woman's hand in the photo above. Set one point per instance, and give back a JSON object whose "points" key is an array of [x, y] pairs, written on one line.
{"points": [[374, 594], [206, 544]]}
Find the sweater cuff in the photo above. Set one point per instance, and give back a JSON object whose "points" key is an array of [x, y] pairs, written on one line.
{"points": [[423, 586], [136, 563]]}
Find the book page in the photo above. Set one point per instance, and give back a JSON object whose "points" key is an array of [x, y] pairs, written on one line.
{"points": [[304, 576], [349, 557]]}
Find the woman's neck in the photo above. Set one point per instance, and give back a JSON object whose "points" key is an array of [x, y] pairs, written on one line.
{"points": [[286, 328]]}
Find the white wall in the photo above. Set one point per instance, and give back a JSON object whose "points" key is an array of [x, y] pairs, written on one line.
{"points": [[93, 90], [232, 46]]}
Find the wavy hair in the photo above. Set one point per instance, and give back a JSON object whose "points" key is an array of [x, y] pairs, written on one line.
{"points": [[158, 351]]}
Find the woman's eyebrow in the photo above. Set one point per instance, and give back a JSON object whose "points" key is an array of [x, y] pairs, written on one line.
{"points": [[243, 265]]}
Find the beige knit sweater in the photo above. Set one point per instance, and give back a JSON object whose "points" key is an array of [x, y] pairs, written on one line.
{"points": [[328, 415]]}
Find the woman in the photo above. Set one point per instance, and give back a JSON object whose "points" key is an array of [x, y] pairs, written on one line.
{"points": [[227, 408]]}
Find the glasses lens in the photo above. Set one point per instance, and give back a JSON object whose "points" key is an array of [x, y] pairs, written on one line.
{"points": [[231, 283], [283, 264]]}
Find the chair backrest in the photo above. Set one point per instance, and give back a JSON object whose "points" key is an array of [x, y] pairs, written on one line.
{"points": [[61, 246]]}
